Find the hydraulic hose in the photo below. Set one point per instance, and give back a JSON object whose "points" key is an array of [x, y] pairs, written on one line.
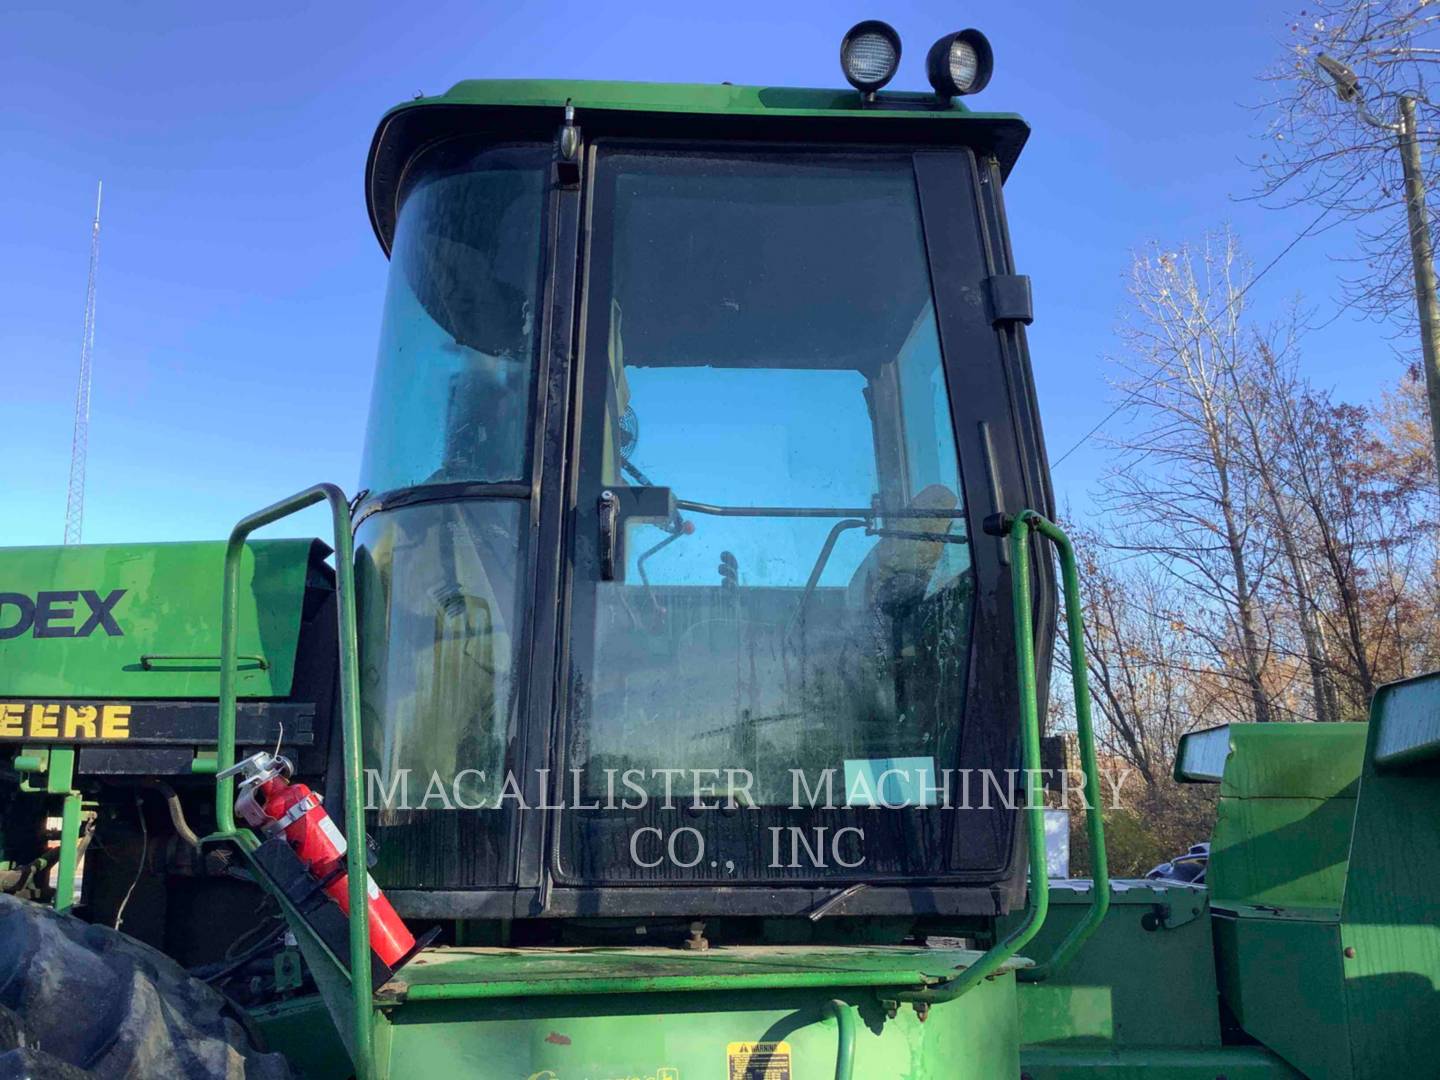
{"points": [[844, 1016], [177, 812]]}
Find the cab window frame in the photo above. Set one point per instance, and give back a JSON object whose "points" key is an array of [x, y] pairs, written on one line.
{"points": [[989, 481]]}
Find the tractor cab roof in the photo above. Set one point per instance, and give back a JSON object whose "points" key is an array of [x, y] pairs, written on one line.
{"points": [[530, 108]]}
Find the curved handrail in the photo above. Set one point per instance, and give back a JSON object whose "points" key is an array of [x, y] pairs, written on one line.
{"points": [[1038, 902], [360, 980], [1085, 736]]}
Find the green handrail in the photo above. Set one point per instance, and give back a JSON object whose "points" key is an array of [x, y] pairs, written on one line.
{"points": [[1084, 729], [360, 982], [1038, 903]]}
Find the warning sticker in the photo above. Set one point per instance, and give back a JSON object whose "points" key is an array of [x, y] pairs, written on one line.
{"points": [[759, 1060]]}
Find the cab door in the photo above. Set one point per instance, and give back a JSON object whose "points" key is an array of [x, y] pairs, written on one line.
{"points": [[784, 648]]}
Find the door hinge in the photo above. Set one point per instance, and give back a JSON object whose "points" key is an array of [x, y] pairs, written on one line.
{"points": [[1010, 299]]}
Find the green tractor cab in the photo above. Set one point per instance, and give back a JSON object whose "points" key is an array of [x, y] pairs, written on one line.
{"points": [[663, 496]]}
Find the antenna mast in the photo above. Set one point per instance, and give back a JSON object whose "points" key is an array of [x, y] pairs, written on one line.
{"points": [[75, 500]]}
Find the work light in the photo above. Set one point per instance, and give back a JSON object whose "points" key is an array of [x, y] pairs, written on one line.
{"points": [[869, 55], [960, 64]]}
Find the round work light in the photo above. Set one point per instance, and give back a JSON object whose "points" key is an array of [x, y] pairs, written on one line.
{"points": [[869, 55], [960, 63]]}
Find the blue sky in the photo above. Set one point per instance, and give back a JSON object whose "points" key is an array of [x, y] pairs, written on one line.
{"points": [[240, 285]]}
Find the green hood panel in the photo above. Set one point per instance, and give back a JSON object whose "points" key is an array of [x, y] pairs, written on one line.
{"points": [[98, 621]]}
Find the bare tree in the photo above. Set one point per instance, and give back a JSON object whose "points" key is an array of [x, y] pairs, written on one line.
{"points": [[1365, 510], [1323, 152], [1180, 484], [1266, 551], [1136, 658], [1267, 389]]}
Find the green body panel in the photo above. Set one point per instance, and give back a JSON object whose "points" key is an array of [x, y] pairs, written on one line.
{"points": [[60, 780], [489, 973], [1287, 804], [1316, 761], [1281, 852], [302, 1030], [1281, 978], [600, 1012], [698, 98], [1391, 911], [170, 608], [1327, 925], [1153, 1063], [1278, 863], [1130, 986]]}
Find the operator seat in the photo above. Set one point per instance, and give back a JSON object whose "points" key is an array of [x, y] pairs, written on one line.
{"points": [[897, 572]]}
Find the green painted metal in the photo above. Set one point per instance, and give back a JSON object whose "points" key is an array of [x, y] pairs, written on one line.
{"points": [[686, 1036], [50, 771], [1286, 761], [695, 98], [1287, 805], [301, 1028], [60, 770], [1085, 730], [1278, 864], [1281, 979], [37, 760], [483, 973], [1038, 898], [828, 114], [60, 780], [1390, 913], [1145, 979], [533, 998], [1027, 677], [1154, 1063], [361, 1013], [1327, 926], [1281, 852], [170, 605]]}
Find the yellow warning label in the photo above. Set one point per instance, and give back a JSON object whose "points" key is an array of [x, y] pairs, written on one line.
{"points": [[758, 1061]]}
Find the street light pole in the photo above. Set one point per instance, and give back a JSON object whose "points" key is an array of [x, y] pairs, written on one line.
{"points": [[1422, 255]]}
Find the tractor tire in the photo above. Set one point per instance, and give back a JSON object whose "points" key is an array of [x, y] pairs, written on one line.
{"points": [[84, 1001]]}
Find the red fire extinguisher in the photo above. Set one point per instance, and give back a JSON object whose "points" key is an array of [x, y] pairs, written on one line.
{"points": [[270, 802]]}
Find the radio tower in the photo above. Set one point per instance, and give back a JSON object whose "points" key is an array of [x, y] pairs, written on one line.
{"points": [[75, 500]]}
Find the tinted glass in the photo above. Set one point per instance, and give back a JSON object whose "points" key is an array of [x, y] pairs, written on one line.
{"points": [[441, 626], [451, 399], [771, 348]]}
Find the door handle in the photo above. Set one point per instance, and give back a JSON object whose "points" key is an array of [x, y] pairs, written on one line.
{"points": [[609, 525]]}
